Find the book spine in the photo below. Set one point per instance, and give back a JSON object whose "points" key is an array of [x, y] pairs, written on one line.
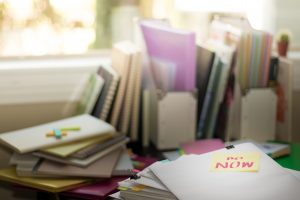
{"points": [[109, 99], [136, 102]]}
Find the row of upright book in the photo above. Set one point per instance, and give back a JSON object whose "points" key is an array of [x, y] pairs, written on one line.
{"points": [[112, 93]]}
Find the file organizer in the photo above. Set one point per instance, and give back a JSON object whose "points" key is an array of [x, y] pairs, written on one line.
{"points": [[252, 115], [258, 114], [175, 120]]}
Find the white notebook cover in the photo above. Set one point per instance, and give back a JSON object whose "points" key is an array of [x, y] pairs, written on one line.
{"points": [[34, 138], [189, 178]]}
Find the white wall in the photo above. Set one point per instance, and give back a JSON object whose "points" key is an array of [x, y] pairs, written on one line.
{"points": [[288, 17]]}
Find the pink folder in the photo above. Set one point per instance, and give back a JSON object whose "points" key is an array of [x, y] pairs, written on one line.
{"points": [[95, 191], [174, 50], [202, 146]]}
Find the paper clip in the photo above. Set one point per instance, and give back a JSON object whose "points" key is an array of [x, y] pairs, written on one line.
{"points": [[229, 147]]}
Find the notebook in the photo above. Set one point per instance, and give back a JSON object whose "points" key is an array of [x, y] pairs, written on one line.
{"points": [[205, 59], [270, 182], [102, 168], [121, 62], [82, 162], [105, 99], [91, 93], [46, 184], [92, 149], [65, 150], [135, 110], [123, 167], [132, 86], [22, 140]]}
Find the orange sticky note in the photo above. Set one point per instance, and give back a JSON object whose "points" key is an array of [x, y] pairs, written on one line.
{"points": [[235, 162]]}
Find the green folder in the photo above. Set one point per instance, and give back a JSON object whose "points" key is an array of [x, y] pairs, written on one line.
{"points": [[291, 161]]}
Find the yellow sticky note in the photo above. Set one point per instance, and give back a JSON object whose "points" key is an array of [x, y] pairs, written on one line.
{"points": [[138, 188], [235, 162]]}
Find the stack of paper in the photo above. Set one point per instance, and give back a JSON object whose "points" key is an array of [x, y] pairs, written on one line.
{"points": [[65, 154], [235, 172]]}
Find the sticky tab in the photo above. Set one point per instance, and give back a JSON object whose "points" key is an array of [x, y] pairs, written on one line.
{"points": [[57, 133], [122, 188], [138, 188]]}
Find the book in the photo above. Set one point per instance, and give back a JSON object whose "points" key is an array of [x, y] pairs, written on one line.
{"points": [[209, 97], [92, 91], [132, 89], [31, 167], [102, 168], [23, 159], [21, 140], [124, 166], [146, 118], [69, 149], [226, 55], [135, 116], [205, 59], [172, 55], [82, 162], [45, 184], [92, 149], [104, 102], [121, 62]]}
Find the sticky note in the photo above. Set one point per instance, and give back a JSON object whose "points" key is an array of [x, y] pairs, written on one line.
{"points": [[122, 188], [138, 188], [235, 162]]}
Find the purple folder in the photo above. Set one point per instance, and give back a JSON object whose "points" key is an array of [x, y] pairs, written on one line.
{"points": [[95, 191], [202, 146], [172, 55]]}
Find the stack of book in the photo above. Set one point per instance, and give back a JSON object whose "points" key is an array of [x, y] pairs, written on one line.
{"points": [[65, 154], [235, 172]]}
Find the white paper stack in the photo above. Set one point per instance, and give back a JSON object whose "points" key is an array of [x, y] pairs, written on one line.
{"points": [[195, 177]]}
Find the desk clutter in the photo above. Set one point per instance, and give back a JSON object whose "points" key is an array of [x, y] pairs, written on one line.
{"points": [[170, 93], [91, 157], [240, 171]]}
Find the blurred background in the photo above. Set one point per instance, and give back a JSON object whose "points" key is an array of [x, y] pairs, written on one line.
{"points": [[43, 27]]}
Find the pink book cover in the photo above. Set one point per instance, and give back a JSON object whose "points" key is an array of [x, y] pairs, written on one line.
{"points": [[99, 190], [202, 146], [172, 55]]}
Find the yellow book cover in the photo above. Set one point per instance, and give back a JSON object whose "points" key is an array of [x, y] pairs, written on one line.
{"points": [[65, 150], [47, 184]]}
